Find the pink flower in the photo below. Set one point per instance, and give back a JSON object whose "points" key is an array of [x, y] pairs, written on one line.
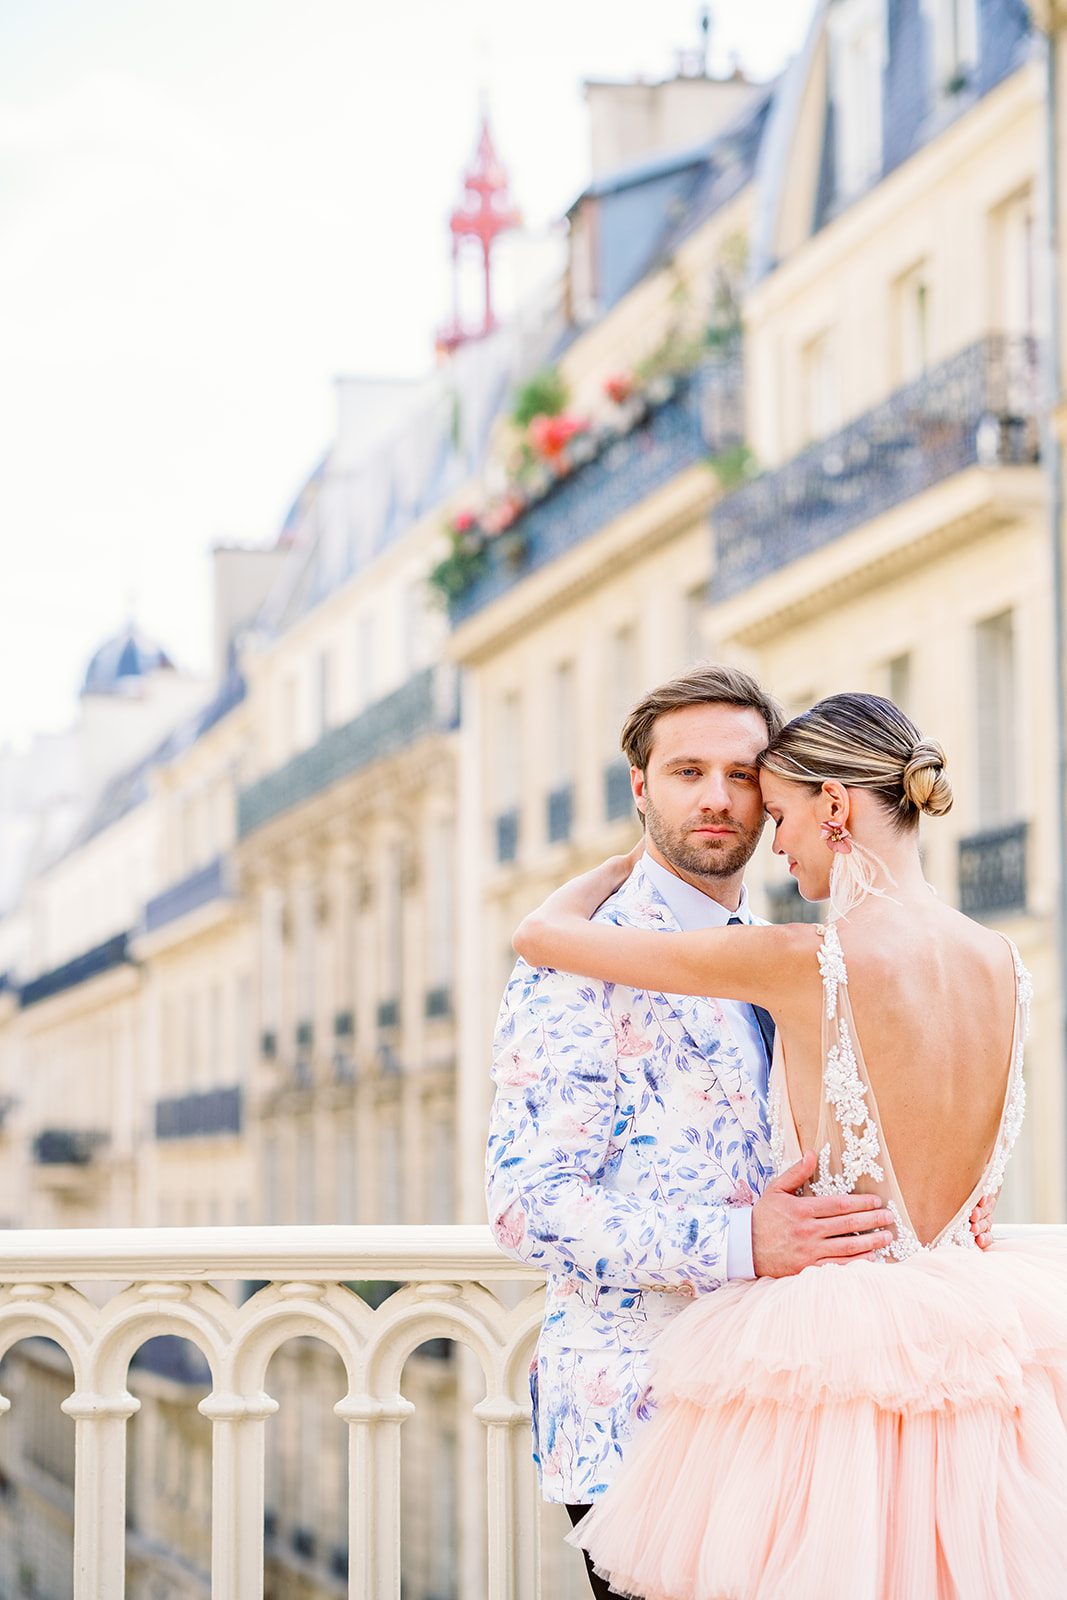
{"points": [[516, 1072], [619, 387], [550, 436], [463, 522], [627, 1041], [837, 838], [742, 1195], [510, 1228], [600, 1391]]}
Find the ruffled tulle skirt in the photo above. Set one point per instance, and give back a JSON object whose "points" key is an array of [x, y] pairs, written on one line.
{"points": [[867, 1432]]}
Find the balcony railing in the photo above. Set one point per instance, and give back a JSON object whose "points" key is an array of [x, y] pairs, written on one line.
{"points": [[977, 408], [198, 889], [785, 903], [192, 1116], [703, 415], [507, 835], [559, 813], [172, 1272], [102, 958], [426, 704], [67, 1147], [618, 795], [993, 871]]}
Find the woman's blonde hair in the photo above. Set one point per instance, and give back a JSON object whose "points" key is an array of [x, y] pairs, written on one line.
{"points": [[864, 742]]}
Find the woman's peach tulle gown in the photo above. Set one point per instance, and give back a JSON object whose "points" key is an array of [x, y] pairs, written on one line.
{"points": [[858, 1433]]}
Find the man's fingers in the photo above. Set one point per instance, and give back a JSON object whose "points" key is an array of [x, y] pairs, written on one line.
{"points": [[849, 1249], [839, 1205], [862, 1222], [796, 1176]]}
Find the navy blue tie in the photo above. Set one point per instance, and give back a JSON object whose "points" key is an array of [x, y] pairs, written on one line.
{"points": [[764, 1020]]}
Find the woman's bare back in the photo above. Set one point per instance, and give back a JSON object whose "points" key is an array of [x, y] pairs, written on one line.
{"points": [[933, 999]]}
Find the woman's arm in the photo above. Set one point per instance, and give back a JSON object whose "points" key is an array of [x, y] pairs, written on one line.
{"points": [[761, 965]]}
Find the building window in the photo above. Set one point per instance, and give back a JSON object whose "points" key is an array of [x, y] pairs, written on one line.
{"points": [[392, 931], [622, 668], [857, 31], [390, 1175], [506, 776], [1012, 262], [305, 1174], [442, 1182], [898, 682], [954, 36], [564, 722], [441, 911], [288, 720], [325, 692], [694, 610], [820, 387], [345, 1173], [995, 689], [911, 324], [366, 664]]}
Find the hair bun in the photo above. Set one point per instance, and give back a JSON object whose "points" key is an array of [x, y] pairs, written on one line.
{"points": [[925, 784]]}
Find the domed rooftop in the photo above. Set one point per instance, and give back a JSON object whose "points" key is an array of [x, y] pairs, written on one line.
{"points": [[122, 661]]}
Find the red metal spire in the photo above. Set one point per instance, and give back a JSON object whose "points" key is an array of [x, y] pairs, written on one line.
{"points": [[483, 214]]}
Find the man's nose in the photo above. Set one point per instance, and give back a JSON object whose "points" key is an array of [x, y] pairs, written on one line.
{"points": [[715, 793]]}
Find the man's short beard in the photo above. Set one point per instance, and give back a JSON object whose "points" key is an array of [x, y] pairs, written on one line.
{"points": [[701, 856]]}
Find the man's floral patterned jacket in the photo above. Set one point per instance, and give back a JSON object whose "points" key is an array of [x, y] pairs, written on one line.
{"points": [[623, 1128]]}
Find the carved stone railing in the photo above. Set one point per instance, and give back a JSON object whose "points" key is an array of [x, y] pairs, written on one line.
{"points": [[170, 1275]]}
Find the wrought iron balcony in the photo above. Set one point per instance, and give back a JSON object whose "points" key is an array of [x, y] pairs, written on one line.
{"points": [[198, 889], [993, 871], [192, 1116], [427, 703], [559, 814], [102, 958], [618, 795], [704, 414], [443, 1271], [977, 408], [67, 1147], [785, 903], [507, 835], [438, 1002]]}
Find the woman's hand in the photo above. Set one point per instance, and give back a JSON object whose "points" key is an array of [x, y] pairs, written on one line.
{"points": [[580, 897]]}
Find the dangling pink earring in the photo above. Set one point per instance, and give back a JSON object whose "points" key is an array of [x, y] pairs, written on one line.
{"points": [[838, 839]]}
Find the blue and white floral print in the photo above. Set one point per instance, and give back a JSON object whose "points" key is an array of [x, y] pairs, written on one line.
{"points": [[624, 1126]]}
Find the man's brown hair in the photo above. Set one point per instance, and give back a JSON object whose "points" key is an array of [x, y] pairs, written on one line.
{"points": [[706, 685]]}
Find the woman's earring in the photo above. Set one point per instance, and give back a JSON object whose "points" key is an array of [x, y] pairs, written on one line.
{"points": [[838, 839]]}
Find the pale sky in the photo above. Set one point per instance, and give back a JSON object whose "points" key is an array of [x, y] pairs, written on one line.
{"points": [[208, 210]]}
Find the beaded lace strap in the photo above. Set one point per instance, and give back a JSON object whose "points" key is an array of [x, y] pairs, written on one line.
{"points": [[1015, 1106], [843, 1087]]}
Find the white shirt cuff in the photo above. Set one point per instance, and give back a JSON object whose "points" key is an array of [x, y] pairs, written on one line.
{"points": [[739, 1244]]}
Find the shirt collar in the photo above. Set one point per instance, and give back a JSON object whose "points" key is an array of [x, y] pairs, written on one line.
{"points": [[692, 908]]}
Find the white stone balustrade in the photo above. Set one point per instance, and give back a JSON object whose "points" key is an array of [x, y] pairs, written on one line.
{"points": [[168, 1276]]}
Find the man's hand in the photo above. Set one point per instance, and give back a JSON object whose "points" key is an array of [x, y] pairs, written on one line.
{"points": [[790, 1231], [981, 1220]]}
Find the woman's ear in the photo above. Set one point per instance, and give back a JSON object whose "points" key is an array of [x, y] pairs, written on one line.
{"points": [[833, 804]]}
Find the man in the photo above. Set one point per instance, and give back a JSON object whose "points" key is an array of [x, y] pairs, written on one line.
{"points": [[629, 1138]]}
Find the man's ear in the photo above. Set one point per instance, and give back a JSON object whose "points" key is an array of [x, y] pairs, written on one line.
{"points": [[637, 785]]}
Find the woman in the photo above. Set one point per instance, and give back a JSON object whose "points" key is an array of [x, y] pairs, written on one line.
{"points": [[853, 1433]]}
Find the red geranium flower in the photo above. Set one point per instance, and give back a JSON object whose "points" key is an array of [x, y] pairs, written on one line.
{"points": [[551, 435]]}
